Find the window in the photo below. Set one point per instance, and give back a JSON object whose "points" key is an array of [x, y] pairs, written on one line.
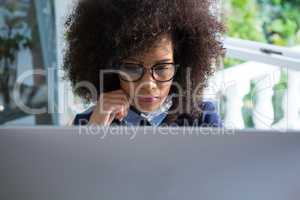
{"points": [[27, 62]]}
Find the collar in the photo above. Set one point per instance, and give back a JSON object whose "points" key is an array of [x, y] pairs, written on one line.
{"points": [[155, 118]]}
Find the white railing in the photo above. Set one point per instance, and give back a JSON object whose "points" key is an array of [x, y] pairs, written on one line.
{"points": [[234, 83]]}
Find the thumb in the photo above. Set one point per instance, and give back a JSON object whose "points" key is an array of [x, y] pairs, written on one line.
{"points": [[111, 117]]}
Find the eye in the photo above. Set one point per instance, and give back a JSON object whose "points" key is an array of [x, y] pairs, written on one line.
{"points": [[165, 67], [164, 71], [131, 68], [161, 67], [130, 71]]}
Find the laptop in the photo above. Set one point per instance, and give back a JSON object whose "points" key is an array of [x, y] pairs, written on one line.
{"points": [[134, 163]]}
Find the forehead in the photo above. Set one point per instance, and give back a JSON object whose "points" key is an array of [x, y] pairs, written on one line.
{"points": [[161, 49]]}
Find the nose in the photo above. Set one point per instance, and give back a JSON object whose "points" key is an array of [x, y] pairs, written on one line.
{"points": [[148, 82], [147, 75]]}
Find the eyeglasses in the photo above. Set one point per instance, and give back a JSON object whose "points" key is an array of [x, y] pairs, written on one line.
{"points": [[133, 72]]}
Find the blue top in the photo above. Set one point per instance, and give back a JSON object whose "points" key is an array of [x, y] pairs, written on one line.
{"points": [[208, 118]]}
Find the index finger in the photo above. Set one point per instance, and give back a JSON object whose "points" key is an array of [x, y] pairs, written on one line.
{"points": [[127, 96]]}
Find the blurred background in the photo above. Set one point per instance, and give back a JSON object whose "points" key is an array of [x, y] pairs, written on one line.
{"points": [[256, 86]]}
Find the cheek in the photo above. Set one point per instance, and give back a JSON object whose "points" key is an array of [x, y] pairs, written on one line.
{"points": [[165, 89], [128, 88], [131, 88]]}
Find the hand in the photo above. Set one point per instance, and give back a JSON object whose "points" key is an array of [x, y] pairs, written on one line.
{"points": [[110, 106]]}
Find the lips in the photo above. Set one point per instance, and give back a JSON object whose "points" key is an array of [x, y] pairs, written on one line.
{"points": [[148, 99]]}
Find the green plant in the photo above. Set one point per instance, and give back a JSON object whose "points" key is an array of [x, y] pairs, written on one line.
{"points": [[272, 21], [14, 36], [277, 99], [268, 21]]}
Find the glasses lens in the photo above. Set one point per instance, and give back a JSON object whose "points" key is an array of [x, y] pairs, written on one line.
{"points": [[130, 71], [164, 72]]}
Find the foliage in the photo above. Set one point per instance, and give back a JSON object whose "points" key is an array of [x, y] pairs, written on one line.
{"points": [[14, 32], [243, 20], [277, 99], [269, 21], [247, 110], [14, 35], [272, 21]]}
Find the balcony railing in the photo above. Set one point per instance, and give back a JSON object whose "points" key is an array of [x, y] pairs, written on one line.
{"points": [[231, 87]]}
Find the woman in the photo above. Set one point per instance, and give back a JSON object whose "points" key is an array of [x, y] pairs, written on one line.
{"points": [[143, 62]]}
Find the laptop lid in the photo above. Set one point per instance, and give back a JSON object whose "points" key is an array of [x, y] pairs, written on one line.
{"points": [[156, 163]]}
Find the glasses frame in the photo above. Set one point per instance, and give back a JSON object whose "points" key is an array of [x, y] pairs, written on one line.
{"points": [[118, 66]]}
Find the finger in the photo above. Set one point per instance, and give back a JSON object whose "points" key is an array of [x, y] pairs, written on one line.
{"points": [[122, 92], [107, 108], [118, 101], [111, 95], [117, 92], [101, 119], [114, 101], [111, 117], [119, 116], [119, 96], [119, 108], [122, 114]]}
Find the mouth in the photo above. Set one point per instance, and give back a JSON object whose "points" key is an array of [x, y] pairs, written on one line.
{"points": [[148, 99]]}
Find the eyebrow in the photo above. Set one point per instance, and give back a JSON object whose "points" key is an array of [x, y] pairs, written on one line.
{"points": [[164, 61], [159, 61]]}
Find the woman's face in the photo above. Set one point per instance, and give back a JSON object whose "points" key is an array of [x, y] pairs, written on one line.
{"points": [[147, 94]]}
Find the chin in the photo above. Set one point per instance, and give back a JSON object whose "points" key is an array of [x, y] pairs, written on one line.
{"points": [[147, 108]]}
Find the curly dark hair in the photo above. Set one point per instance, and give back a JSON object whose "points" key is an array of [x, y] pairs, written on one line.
{"points": [[100, 32]]}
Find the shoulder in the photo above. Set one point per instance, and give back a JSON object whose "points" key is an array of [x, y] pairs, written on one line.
{"points": [[84, 117], [209, 117]]}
